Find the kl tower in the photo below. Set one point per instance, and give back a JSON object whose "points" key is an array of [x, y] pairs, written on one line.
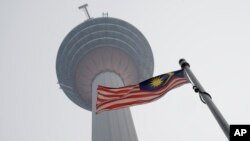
{"points": [[103, 51]]}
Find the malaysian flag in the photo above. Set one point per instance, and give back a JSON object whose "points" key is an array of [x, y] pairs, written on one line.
{"points": [[144, 92]]}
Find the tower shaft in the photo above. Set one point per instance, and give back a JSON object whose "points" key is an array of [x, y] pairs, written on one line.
{"points": [[114, 125]]}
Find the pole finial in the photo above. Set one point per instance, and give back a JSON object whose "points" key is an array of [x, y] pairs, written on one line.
{"points": [[183, 63]]}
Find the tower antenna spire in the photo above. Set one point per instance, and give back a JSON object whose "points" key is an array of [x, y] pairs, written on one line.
{"points": [[84, 8]]}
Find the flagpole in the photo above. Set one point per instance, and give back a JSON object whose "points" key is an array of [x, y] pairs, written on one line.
{"points": [[206, 98]]}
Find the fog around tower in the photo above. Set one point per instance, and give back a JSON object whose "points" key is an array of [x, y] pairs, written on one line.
{"points": [[213, 36]]}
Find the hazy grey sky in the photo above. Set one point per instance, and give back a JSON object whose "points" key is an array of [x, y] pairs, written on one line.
{"points": [[213, 36]]}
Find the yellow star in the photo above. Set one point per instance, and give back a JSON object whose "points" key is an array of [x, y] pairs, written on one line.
{"points": [[156, 82]]}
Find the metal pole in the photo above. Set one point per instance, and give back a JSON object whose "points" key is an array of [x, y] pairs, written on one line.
{"points": [[84, 7], [206, 97]]}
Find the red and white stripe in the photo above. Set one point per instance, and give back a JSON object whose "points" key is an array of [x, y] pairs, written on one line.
{"points": [[115, 98]]}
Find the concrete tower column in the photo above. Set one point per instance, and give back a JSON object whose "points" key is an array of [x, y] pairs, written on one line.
{"points": [[110, 52], [116, 125]]}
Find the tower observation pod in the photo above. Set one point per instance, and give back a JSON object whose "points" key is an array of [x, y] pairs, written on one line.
{"points": [[103, 51]]}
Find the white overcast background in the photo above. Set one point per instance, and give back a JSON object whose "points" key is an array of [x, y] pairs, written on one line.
{"points": [[213, 36]]}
